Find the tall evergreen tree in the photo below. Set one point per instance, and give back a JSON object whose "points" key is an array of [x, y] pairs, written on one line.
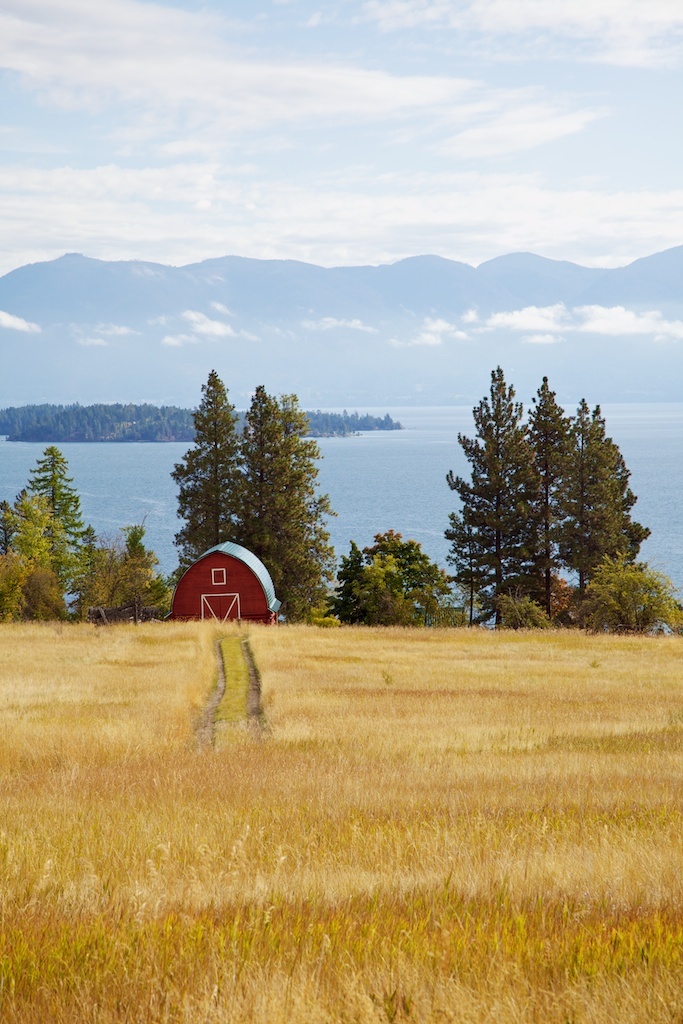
{"points": [[6, 527], [466, 557], [598, 500], [498, 502], [549, 436], [208, 476], [282, 516], [49, 480]]}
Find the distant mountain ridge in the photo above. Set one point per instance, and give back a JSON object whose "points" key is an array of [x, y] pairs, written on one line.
{"points": [[422, 330]]}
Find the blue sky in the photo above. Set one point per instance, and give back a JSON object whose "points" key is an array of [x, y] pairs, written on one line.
{"points": [[354, 131]]}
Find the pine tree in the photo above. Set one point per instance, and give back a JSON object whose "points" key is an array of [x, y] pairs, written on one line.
{"points": [[498, 503], [344, 604], [208, 476], [65, 528], [549, 436], [282, 516], [6, 527], [598, 500], [140, 582], [465, 557]]}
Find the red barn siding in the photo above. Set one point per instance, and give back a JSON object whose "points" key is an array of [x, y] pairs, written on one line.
{"points": [[197, 596]]}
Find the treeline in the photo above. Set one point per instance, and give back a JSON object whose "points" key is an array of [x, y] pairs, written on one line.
{"points": [[251, 480], [117, 422], [340, 424], [59, 423], [545, 532]]}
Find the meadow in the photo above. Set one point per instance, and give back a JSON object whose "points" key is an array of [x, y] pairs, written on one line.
{"points": [[431, 825]]}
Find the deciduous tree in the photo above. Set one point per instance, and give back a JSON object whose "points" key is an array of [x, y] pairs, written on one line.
{"points": [[629, 597], [392, 582], [121, 571]]}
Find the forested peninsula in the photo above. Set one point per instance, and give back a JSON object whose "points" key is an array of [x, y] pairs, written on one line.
{"points": [[119, 422]]}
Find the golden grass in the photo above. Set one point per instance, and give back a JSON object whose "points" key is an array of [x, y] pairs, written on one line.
{"points": [[439, 826]]}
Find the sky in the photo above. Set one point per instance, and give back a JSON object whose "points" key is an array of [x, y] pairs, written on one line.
{"points": [[349, 132]]}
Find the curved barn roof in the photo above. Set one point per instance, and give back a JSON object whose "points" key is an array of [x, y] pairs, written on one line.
{"points": [[256, 566]]}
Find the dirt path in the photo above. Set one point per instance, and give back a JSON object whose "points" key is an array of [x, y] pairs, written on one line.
{"points": [[205, 729]]}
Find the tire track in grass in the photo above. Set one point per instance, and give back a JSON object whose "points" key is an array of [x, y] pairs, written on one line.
{"points": [[205, 723], [255, 713], [236, 698]]}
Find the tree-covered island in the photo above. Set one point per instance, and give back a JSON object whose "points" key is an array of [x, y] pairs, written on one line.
{"points": [[126, 422]]}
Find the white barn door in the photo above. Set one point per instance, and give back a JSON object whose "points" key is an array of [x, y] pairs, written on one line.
{"points": [[221, 606]]}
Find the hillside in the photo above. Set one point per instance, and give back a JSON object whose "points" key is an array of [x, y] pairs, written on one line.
{"points": [[425, 330]]}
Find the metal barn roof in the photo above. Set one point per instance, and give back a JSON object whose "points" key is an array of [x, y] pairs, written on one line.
{"points": [[256, 566]]}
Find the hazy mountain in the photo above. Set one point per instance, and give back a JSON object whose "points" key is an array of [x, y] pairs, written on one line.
{"points": [[425, 330]]}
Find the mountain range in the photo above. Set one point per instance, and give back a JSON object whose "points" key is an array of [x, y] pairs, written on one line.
{"points": [[422, 331]]}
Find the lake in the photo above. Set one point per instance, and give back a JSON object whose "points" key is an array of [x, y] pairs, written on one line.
{"points": [[376, 481]]}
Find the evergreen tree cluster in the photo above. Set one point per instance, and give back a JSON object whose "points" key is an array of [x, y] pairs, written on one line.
{"points": [[53, 565], [256, 486], [547, 501]]}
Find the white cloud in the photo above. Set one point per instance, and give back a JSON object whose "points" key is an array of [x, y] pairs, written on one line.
{"points": [[618, 321], [178, 340], [9, 322], [542, 339], [115, 330], [220, 308], [121, 213], [606, 321], [628, 32], [81, 55], [92, 342], [522, 127], [329, 323], [531, 318], [202, 324], [432, 333]]}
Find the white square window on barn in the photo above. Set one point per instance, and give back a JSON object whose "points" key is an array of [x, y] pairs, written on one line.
{"points": [[219, 577]]}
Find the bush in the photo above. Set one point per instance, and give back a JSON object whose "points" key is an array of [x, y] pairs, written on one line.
{"points": [[518, 612], [43, 598], [629, 597]]}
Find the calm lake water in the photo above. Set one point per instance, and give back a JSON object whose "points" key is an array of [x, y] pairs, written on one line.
{"points": [[376, 481]]}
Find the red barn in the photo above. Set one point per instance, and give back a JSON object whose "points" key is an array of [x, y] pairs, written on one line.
{"points": [[226, 582]]}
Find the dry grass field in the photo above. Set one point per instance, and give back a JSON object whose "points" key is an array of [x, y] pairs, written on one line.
{"points": [[434, 826]]}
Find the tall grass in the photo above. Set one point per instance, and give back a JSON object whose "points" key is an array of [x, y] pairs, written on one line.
{"points": [[438, 826]]}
